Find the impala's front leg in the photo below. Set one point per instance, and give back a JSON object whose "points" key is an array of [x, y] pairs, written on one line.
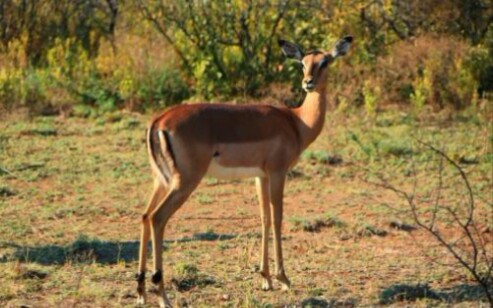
{"points": [[276, 194], [264, 200], [157, 196]]}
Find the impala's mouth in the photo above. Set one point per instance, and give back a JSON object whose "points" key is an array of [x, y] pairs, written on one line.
{"points": [[308, 88], [308, 84]]}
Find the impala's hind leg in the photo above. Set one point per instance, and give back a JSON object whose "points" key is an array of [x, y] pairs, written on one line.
{"points": [[176, 196], [264, 200], [157, 196]]}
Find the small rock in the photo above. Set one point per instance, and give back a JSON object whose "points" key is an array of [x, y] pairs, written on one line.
{"points": [[315, 302], [468, 160], [402, 226], [368, 231], [34, 274], [345, 237], [128, 294], [335, 160], [6, 192]]}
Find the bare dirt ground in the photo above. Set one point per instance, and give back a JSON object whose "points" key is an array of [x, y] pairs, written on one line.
{"points": [[72, 192]]}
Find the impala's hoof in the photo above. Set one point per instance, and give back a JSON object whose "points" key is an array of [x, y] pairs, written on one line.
{"points": [[157, 277], [266, 280], [285, 286], [141, 300], [285, 283], [266, 284]]}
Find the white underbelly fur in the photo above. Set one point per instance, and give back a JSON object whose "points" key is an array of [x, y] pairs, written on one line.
{"points": [[229, 173]]}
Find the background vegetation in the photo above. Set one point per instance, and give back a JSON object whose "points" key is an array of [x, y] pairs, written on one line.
{"points": [[95, 56], [402, 171]]}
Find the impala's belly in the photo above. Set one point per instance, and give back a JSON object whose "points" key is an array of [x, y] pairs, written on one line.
{"points": [[221, 172]]}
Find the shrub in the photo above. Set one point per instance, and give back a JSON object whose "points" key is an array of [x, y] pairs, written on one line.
{"points": [[161, 88], [422, 90], [440, 72], [158, 53], [9, 92], [90, 85], [24, 87], [229, 48], [371, 96]]}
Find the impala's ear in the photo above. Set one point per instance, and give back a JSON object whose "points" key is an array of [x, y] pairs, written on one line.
{"points": [[342, 46], [291, 50]]}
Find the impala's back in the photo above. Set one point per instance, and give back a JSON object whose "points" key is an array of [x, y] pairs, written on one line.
{"points": [[225, 141]]}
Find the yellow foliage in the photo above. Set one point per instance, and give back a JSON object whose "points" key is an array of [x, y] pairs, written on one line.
{"points": [[466, 83], [422, 90], [371, 94], [68, 61], [14, 55]]}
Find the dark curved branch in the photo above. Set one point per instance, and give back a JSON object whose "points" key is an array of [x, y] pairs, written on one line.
{"points": [[157, 25]]}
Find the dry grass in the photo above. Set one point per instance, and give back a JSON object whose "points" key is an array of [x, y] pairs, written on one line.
{"points": [[72, 191]]}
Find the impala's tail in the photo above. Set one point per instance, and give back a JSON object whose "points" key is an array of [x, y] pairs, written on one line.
{"points": [[160, 152]]}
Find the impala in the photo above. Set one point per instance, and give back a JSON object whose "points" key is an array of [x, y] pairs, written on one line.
{"points": [[187, 142]]}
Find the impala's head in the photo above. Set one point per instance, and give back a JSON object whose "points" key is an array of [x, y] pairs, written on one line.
{"points": [[315, 62]]}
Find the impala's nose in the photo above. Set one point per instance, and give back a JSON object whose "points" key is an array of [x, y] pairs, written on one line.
{"points": [[309, 84]]}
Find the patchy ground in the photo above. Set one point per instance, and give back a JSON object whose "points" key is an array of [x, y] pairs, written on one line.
{"points": [[72, 192]]}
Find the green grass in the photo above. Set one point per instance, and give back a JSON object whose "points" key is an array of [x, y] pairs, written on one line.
{"points": [[72, 192], [316, 224], [204, 198]]}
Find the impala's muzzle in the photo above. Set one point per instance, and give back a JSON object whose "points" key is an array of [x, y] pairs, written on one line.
{"points": [[308, 84]]}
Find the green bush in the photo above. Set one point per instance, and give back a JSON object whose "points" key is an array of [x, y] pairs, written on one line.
{"points": [[25, 87], [371, 97], [158, 53], [160, 88], [479, 65], [229, 48], [9, 89], [422, 90], [90, 85]]}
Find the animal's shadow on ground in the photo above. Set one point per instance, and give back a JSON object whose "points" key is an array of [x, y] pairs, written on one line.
{"points": [[409, 292], [87, 250]]}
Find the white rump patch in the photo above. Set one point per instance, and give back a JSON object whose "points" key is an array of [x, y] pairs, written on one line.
{"points": [[230, 173]]}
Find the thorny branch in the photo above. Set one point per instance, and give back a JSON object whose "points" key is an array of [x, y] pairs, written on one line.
{"points": [[470, 250]]}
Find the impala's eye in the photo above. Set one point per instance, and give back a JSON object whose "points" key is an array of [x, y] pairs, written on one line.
{"points": [[323, 63]]}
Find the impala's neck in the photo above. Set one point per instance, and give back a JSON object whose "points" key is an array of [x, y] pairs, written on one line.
{"points": [[311, 115]]}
